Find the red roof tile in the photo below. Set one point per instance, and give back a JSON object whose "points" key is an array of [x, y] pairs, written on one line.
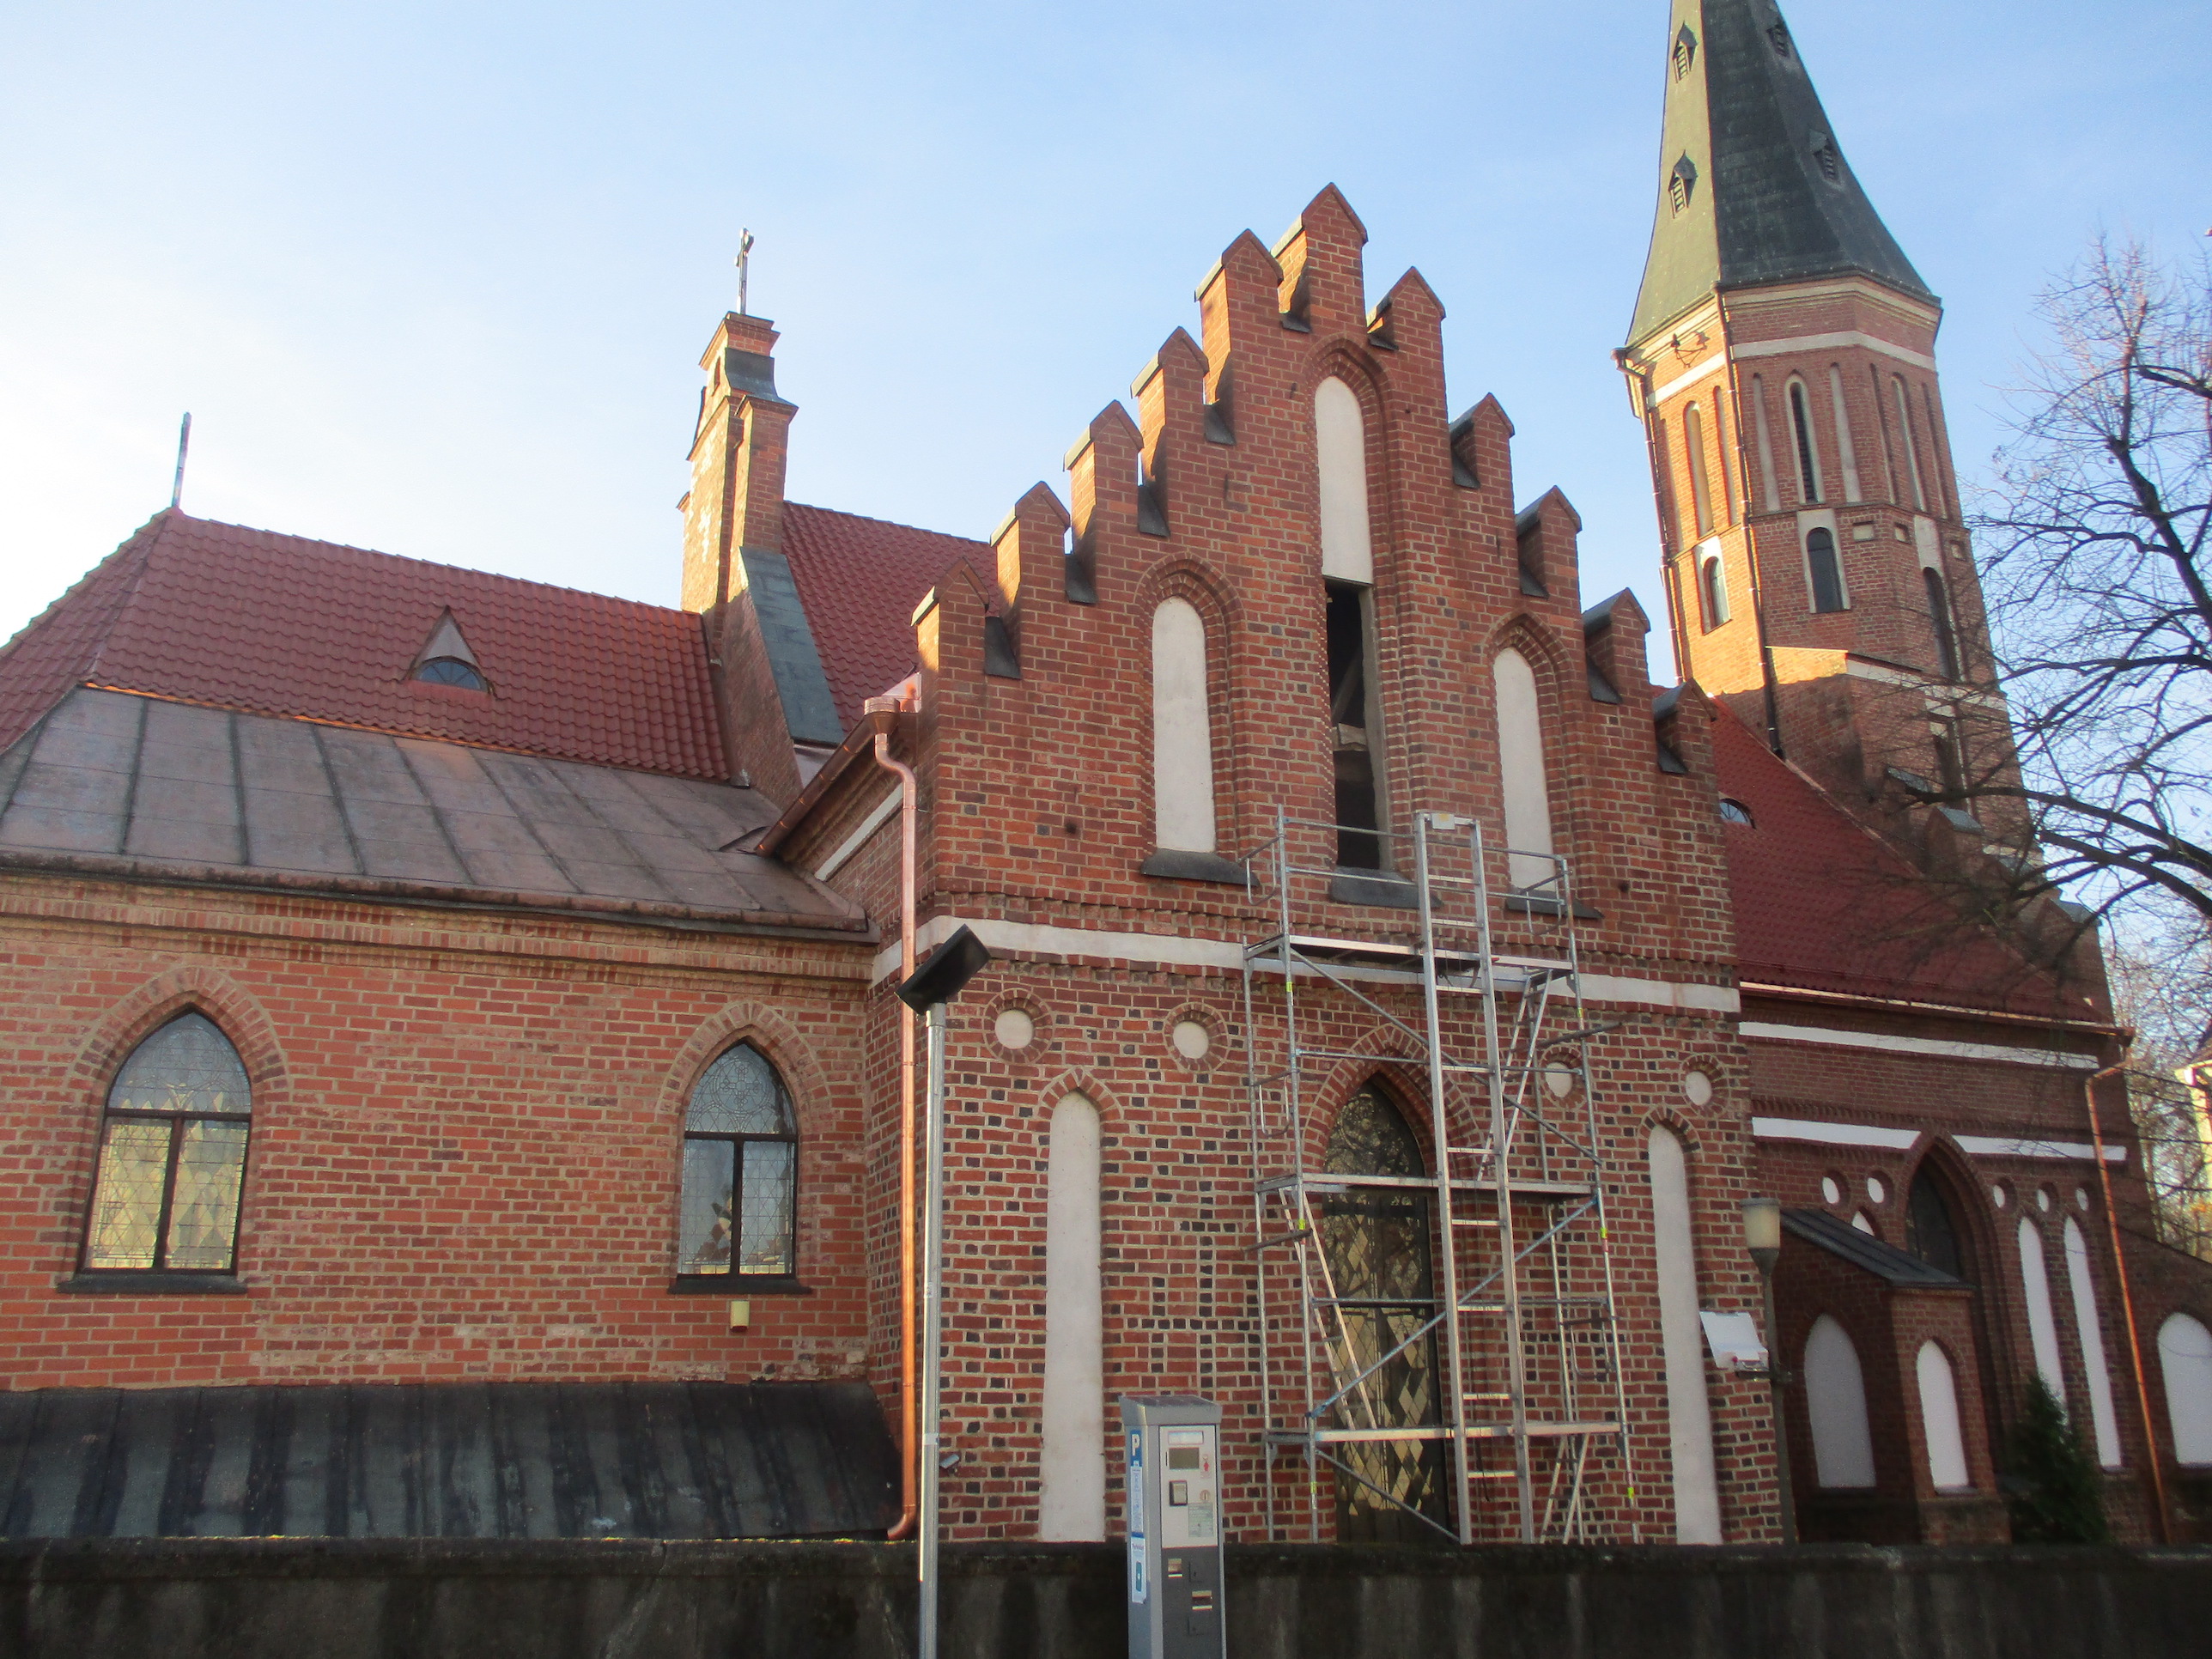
{"points": [[248, 619], [55, 649], [1822, 904], [859, 579]]}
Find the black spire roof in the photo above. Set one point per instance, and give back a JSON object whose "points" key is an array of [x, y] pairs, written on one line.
{"points": [[1752, 184]]}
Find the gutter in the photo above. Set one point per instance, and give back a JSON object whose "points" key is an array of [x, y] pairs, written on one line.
{"points": [[1950, 1010]]}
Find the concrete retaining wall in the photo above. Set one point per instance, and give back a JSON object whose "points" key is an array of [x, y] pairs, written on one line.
{"points": [[369, 1598]]}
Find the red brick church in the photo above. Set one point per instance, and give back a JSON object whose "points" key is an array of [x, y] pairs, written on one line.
{"points": [[456, 1088]]}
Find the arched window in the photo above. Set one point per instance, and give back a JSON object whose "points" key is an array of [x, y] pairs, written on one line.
{"points": [[1809, 454], [2080, 1278], [171, 1156], [1376, 1241], [1521, 769], [1836, 1407], [1340, 448], [1930, 1232], [1911, 443], [1182, 734], [1712, 589], [1694, 444], [1939, 617], [2042, 1326], [2184, 1357], [1939, 1420], [1828, 571], [740, 1173], [1689, 1412], [1071, 1470], [451, 670]]}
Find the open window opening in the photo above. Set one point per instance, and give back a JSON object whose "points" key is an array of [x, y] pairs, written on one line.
{"points": [[1809, 457], [1939, 617], [1826, 567], [1355, 726]]}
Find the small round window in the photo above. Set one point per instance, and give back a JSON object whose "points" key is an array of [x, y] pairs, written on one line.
{"points": [[451, 670], [1734, 812]]}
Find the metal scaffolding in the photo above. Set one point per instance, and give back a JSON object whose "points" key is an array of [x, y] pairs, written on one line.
{"points": [[1519, 1297]]}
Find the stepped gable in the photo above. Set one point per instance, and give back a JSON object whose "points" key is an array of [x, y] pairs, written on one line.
{"points": [[859, 579], [1822, 904], [248, 619]]}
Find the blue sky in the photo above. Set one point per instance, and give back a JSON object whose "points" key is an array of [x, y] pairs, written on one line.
{"points": [[435, 278]]}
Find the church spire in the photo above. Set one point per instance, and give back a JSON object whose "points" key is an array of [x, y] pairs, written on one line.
{"points": [[1754, 187]]}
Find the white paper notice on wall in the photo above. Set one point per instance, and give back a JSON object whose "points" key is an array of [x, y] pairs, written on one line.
{"points": [[1734, 1340]]}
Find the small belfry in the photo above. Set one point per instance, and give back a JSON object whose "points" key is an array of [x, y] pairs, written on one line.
{"points": [[1781, 358]]}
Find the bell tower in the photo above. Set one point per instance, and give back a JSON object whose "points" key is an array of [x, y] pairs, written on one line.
{"points": [[1781, 358]]}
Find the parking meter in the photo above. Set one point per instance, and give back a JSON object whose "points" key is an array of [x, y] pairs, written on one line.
{"points": [[1173, 1445]]}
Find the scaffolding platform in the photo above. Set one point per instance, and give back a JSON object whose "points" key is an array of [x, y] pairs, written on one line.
{"points": [[1514, 1345]]}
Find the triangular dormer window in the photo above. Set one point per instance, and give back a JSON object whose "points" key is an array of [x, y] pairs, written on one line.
{"points": [[1681, 183], [446, 659], [1685, 52]]}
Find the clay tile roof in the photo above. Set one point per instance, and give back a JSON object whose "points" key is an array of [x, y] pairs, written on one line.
{"points": [[248, 619], [859, 579], [1821, 904]]}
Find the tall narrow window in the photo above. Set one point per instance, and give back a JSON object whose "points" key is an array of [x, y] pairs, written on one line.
{"points": [[1827, 572], [1072, 1503], [1376, 1241], [1847, 452], [1689, 1413], [740, 1173], [1355, 726], [1348, 553], [1520, 770], [1808, 454], [171, 1156], [1939, 1420], [1728, 472], [1911, 441], [2081, 1280], [1930, 1232], [2184, 1358], [1836, 1407], [1693, 442], [1182, 733], [2042, 1326], [1769, 491], [1950, 757], [1712, 589], [1939, 618]]}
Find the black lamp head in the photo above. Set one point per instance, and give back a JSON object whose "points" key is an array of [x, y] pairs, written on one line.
{"points": [[944, 971]]}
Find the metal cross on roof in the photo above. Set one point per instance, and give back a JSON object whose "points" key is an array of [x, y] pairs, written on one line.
{"points": [[744, 267]]}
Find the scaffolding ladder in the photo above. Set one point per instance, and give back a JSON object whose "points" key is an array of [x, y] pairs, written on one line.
{"points": [[1521, 1298]]}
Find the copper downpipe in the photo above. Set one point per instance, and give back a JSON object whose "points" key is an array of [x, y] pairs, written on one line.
{"points": [[909, 1410], [2127, 1299]]}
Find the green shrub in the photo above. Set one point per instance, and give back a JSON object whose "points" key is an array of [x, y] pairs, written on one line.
{"points": [[2051, 1483]]}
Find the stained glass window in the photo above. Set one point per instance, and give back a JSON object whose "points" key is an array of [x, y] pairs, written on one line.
{"points": [[740, 1171], [171, 1156]]}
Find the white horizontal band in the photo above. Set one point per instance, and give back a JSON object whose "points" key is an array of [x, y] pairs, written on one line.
{"points": [[1175, 951], [1832, 1135], [1911, 1045], [1816, 343]]}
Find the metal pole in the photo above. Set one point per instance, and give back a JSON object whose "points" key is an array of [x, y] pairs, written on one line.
{"points": [[1440, 1127], [184, 446], [932, 1330], [1508, 1271], [1774, 1386]]}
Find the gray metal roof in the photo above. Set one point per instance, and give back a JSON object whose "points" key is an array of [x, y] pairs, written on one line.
{"points": [[112, 782], [1864, 1251], [448, 1460], [1763, 206]]}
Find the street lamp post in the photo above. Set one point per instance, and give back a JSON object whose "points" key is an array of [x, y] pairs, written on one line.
{"points": [[929, 991], [1762, 1236]]}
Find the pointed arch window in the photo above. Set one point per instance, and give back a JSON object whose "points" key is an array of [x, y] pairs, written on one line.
{"points": [[1826, 569], [738, 1221], [1808, 452], [1712, 588], [1182, 733], [1836, 1404], [172, 1170], [1522, 770], [1701, 489], [1939, 618]]}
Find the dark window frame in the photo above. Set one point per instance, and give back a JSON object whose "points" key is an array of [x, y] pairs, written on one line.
{"points": [[160, 1277], [1801, 422], [1941, 619], [1823, 559], [736, 1281]]}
